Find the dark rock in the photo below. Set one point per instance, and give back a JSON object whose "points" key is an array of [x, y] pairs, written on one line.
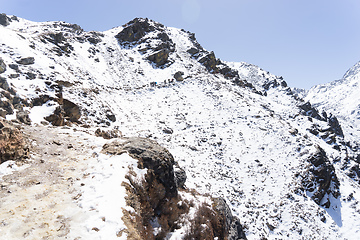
{"points": [[135, 30], [108, 134], [30, 75], [72, 111], [4, 20], [2, 66], [319, 177], [311, 111], [150, 155], [94, 37], [210, 62], [12, 143], [111, 116], [193, 51], [231, 224], [56, 38], [335, 126], [14, 75], [160, 57], [23, 117], [179, 76], [4, 84], [26, 61], [14, 66], [40, 100]]}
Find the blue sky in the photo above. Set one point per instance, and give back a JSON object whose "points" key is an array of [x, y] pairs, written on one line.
{"points": [[308, 42]]}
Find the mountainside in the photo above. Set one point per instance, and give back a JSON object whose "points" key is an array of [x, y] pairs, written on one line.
{"points": [[341, 98], [286, 170]]}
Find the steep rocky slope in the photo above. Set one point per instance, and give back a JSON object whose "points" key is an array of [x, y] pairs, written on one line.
{"points": [[285, 168]]}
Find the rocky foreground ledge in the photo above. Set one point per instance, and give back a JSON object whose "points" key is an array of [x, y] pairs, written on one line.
{"points": [[67, 183]]}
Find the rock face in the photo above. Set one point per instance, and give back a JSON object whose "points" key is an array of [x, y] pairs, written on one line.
{"points": [[12, 144], [151, 156]]}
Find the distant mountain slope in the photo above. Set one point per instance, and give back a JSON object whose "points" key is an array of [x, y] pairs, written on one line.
{"points": [[286, 170], [341, 98]]}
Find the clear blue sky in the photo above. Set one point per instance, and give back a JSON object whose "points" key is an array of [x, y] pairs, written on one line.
{"points": [[308, 42]]}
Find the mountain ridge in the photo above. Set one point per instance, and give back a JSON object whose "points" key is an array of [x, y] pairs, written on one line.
{"points": [[239, 132]]}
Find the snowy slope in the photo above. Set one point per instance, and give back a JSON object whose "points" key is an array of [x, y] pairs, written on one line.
{"points": [[238, 131], [341, 97]]}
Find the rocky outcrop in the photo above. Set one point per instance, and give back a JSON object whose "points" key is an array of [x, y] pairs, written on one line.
{"points": [[12, 143], [2, 66], [150, 155], [4, 20], [155, 198], [135, 34], [320, 178], [134, 30]]}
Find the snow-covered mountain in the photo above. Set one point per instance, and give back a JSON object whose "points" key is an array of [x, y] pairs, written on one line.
{"points": [[286, 170], [341, 98]]}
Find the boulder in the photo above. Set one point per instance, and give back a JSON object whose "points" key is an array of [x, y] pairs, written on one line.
{"points": [[4, 84], [7, 106], [160, 57], [12, 143], [72, 111], [2, 66], [179, 76], [4, 20], [157, 159], [14, 66], [26, 61], [180, 177]]}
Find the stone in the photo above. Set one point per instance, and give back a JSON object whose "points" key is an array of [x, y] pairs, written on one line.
{"points": [[179, 76], [12, 143], [2, 66], [26, 61], [14, 66], [157, 159], [4, 20], [30, 75], [335, 125], [4, 84], [160, 57]]}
